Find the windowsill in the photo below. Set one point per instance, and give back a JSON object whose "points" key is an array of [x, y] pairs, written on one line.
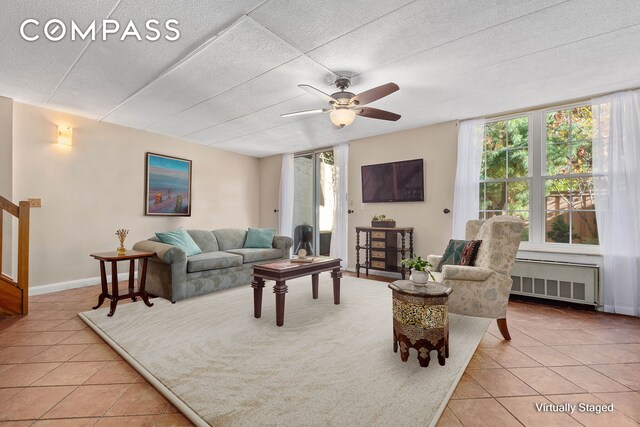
{"points": [[559, 248]]}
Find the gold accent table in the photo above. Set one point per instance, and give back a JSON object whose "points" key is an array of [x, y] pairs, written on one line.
{"points": [[421, 320]]}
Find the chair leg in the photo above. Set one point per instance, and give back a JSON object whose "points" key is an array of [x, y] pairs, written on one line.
{"points": [[502, 325]]}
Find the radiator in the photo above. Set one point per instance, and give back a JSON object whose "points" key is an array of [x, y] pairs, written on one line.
{"points": [[576, 283]]}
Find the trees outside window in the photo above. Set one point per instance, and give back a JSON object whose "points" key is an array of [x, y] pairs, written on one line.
{"points": [[504, 175], [554, 192]]}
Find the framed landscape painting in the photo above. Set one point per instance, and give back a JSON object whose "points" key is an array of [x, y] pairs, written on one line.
{"points": [[167, 186]]}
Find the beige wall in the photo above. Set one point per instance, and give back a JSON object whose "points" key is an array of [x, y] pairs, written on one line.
{"points": [[6, 186], [436, 144], [96, 186], [270, 190]]}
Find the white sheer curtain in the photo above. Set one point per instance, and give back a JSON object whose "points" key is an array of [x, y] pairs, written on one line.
{"points": [[616, 163], [340, 231], [286, 196], [466, 196]]}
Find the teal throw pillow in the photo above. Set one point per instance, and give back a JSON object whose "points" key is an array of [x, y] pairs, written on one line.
{"points": [[181, 239], [452, 254], [260, 238]]}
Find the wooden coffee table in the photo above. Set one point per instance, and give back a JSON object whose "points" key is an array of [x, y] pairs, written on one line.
{"points": [[281, 271]]}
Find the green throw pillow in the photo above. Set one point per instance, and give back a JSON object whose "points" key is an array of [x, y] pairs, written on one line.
{"points": [[260, 238], [181, 239], [452, 254]]}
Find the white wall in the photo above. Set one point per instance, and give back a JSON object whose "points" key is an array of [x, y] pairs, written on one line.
{"points": [[270, 190], [436, 144], [96, 186], [6, 182]]}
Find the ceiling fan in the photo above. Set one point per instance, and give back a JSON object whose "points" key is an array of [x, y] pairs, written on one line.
{"points": [[344, 106]]}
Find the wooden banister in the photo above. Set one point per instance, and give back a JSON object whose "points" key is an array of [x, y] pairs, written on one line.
{"points": [[9, 207], [14, 294]]}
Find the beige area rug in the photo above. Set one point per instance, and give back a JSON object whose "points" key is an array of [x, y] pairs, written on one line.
{"points": [[329, 365]]}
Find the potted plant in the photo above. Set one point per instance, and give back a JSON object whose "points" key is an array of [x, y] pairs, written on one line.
{"points": [[419, 273], [382, 221]]}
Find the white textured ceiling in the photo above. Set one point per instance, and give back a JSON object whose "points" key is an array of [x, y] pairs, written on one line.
{"points": [[237, 64]]}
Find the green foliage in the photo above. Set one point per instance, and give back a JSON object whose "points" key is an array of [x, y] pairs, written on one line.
{"points": [[418, 264], [568, 151], [560, 231], [327, 157], [381, 217]]}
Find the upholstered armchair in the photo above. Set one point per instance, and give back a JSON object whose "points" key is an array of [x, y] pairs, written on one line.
{"points": [[483, 289]]}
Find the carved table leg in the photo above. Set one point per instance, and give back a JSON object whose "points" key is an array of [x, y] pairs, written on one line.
{"points": [[114, 288], [395, 341], [367, 252], [132, 271], [404, 351], [280, 289], [446, 346], [314, 285], [402, 254], [442, 351], [143, 283], [103, 282], [257, 285], [424, 357], [357, 253], [336, 274]]}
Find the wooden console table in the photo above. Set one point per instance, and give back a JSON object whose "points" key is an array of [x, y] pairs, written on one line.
{"points": [[381, 248], [114, 296]]}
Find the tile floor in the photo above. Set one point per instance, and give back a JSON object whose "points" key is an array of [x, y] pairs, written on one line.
{"points": [[54, 371]]}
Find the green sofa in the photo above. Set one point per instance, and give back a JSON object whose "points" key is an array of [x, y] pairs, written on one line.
{"points": [[223, 263]]}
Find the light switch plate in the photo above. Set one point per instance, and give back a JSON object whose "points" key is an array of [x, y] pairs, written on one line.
{"points": [[35, 202]]}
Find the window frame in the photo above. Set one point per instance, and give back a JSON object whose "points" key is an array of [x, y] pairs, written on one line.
{"points": [[507, 180], [537, 174]]}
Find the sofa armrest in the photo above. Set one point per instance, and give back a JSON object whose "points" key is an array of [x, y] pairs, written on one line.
{"points": [[167, 254], [434, 260], [464, 272], [283, 243]]}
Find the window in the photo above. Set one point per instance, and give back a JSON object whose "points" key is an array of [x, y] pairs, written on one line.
{"points": [[538, 166], [504, 175], [570, 215]]}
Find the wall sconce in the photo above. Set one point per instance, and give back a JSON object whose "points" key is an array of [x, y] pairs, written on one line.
{"points": [[64, 135]]}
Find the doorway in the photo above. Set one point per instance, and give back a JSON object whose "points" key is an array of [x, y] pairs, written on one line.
{"points": [[314, 202]]}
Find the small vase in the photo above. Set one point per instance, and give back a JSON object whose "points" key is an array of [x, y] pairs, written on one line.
{"points": [[419, 278], [121, 250]]}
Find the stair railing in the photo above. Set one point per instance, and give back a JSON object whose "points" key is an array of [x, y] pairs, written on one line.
{"points": [[14, 294]]}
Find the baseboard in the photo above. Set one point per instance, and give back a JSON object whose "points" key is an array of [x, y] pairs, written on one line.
{"points": [[395, 275], [73, 284]]}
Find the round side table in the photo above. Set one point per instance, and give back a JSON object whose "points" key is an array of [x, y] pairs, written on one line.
{"points": [[420, 320]]}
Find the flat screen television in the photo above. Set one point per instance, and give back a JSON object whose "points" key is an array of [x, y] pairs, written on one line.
{"points": [[393, 182]]}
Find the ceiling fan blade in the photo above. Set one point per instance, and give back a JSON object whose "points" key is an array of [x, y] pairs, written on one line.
{"points": [[374, 113], [301, 113], [368, 96], [317, 92]]}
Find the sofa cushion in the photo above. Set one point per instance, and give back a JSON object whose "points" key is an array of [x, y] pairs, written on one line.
{"points": [[206, 240], [181, 239], [212, 261], [255, 254], [260, 238], [230, 238]]}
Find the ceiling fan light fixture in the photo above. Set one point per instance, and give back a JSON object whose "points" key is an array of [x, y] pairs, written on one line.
{"points": [[342, 117]]}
